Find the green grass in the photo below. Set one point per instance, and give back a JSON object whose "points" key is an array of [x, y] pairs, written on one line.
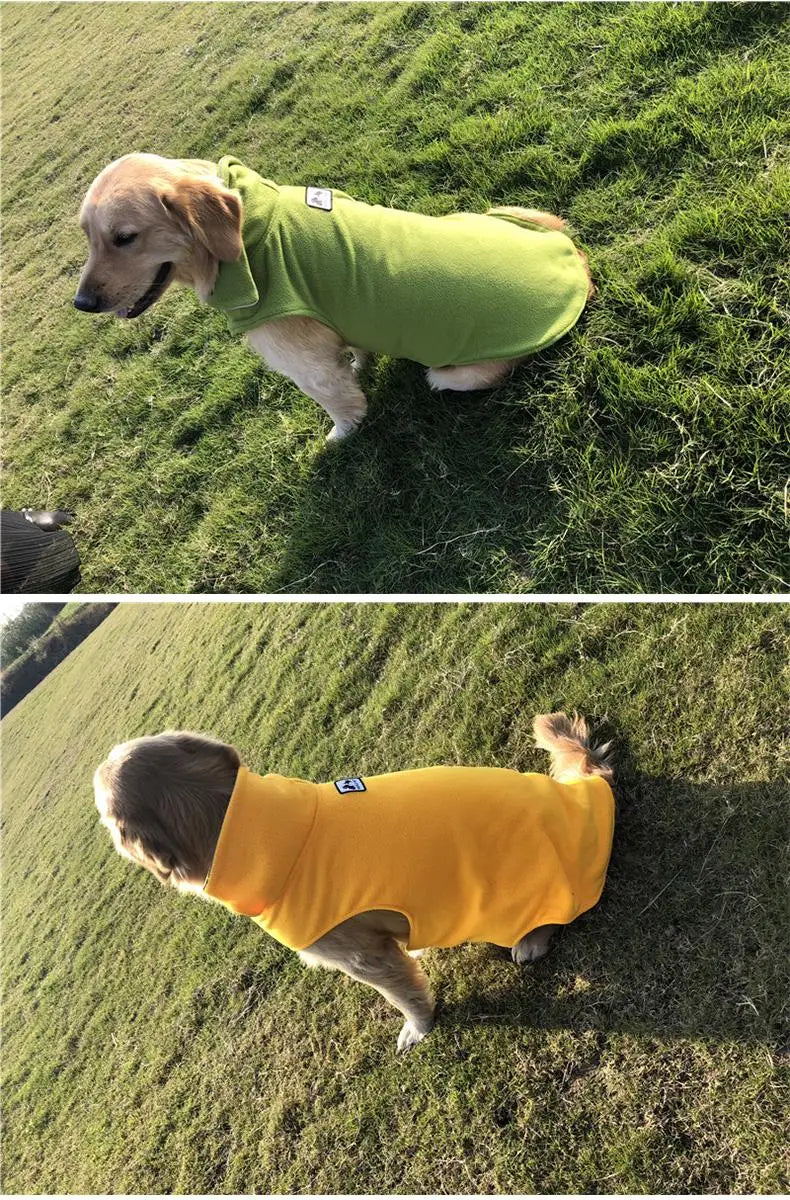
{"points": [[645, 452], [157, 1044]]}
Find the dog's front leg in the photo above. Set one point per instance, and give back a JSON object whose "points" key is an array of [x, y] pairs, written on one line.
{"points": [[375, 957], [314, 357]]}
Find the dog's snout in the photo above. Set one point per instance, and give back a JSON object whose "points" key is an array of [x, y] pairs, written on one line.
{"points": [[87, 301]]}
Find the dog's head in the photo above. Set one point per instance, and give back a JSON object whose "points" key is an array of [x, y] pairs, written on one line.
{"points": [[150, 220], [163, 800]]}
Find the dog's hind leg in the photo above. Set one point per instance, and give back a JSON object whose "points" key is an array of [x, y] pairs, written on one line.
{"points": [[533, 945], [472, 377], [368, 948], [315, 358]]}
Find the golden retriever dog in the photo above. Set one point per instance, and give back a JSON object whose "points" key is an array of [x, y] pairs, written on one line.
{"points": [[152, 221], [171, 804]]}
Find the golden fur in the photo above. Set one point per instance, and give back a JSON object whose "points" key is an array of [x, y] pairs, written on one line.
{"points": [[178, 213]]}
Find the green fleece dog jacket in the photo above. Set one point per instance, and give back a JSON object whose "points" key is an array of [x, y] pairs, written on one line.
{"points": [[439, 290]]}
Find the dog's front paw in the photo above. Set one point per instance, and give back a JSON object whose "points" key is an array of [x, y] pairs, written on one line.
{"points": [[410, 1036]]}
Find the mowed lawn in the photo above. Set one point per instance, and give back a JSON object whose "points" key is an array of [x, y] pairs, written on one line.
{"points": [[154, 1043], [645, 452]]}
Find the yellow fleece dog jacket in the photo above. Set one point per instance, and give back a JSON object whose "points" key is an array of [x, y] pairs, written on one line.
{"points": [[465, 853], [439, 290]]}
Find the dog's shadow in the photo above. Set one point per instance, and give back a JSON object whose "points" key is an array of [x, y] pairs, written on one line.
{"points": [[430, 493], [689, 939]]}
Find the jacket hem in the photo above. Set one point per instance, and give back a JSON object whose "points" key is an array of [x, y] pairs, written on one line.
{"points": [[249, 325], [354, 912]]}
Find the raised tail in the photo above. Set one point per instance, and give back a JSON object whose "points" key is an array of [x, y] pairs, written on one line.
{"points": [[573, 754]]}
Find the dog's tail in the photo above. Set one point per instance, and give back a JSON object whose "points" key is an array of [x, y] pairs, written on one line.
{"points": [[527, 216], [573, 753]]}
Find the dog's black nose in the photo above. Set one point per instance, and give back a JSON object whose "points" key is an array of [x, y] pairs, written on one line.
{"points": [[87, 302]]}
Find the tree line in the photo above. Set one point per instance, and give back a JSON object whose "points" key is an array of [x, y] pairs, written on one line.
{"points": [[41, 653]]}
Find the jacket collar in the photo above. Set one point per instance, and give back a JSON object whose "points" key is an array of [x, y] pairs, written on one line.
{"points": [[235, 286], [267, 823]]}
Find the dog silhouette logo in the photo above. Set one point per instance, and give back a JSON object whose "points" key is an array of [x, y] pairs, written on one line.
{"points": [[350, 785]]}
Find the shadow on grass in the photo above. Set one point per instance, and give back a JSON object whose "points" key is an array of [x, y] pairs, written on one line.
{"points": [[570, 477], [688, 940], [433, 489]]}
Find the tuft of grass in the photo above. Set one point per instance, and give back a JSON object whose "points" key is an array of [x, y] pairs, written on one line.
{"points": [[647, 451], [154, 1044]]}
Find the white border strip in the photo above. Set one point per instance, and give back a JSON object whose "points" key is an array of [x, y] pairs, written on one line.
{"points": [[407, 598]]}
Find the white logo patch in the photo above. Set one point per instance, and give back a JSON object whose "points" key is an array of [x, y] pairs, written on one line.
{"points": [[318, 197], [350, 785]]}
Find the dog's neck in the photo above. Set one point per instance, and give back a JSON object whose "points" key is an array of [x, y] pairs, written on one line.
{"points": [[199, 273]]}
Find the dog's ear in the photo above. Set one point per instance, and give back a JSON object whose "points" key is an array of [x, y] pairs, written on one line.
{"points": [[150, 850], [210, 213]]}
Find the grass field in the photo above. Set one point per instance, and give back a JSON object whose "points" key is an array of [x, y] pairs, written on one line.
{"points": [[647, 451], [156, 1044]]}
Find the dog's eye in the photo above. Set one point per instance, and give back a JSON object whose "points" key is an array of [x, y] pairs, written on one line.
{"points": [[124, 239]]}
